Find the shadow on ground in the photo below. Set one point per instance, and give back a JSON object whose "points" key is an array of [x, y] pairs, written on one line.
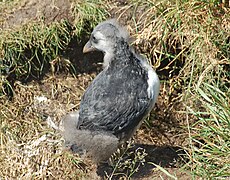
{"points": [[165, 156], [83, 63]]}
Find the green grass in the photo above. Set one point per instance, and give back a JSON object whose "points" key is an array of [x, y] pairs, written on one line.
{"points": [[211, 133], [87, 15], [29, 51], [190, 47], [26, 51], [33, 49]]}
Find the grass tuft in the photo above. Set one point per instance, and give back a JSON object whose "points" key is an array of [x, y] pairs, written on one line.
{"points": [[34, 48], [87, 15], [28, 51], [188, 42], [127, 161], [211, 133]]}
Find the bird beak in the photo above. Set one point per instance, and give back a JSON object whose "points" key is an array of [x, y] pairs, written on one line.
{"points": [[88, 47]]}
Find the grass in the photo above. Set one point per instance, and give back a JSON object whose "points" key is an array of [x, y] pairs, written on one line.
{"points": [[87, 15], [186, 41], [211, 133], [27, 51], [126, 161], [189, 43], [32, 49]]}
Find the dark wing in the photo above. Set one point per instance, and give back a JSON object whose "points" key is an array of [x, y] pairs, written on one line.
{"points": [[116, 101]]}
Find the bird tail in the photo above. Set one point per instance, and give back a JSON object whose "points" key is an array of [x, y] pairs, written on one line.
{"points": [[69, 124], [97, 145]]}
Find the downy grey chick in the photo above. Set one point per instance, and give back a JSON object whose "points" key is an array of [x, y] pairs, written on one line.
{"points": [[117, 100]]}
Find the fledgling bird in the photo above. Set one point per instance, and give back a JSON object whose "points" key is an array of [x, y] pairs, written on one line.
{"points": [[117, 100]]}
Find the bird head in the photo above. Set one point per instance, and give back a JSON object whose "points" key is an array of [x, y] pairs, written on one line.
{"points": [[105, 37]]}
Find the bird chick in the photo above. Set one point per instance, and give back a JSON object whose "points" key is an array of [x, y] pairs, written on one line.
{"points": [[118, 99]]}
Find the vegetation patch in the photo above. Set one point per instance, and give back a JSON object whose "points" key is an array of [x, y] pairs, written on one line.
{"points": [[187, 133], [34, 48]]}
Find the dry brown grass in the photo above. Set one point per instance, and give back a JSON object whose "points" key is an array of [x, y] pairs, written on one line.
{"points": [[30, 146]]}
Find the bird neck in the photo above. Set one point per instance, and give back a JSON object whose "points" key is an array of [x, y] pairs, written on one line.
{"points": [[120, 54], [122, 50]]}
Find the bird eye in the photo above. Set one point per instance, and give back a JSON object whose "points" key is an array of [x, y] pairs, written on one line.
{"points": [[94, 39]]}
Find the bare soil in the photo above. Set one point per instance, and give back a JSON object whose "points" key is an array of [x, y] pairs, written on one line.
{"points": [[48, 11]]}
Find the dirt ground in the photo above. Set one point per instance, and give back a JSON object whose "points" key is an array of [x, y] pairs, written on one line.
{"points": [[33, 10], [163, 136]]}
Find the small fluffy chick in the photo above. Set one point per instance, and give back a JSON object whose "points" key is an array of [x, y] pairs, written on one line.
{"points": [[117, 100]]}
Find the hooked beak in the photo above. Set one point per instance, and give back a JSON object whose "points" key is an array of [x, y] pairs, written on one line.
{"points": [[88, 47]]}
